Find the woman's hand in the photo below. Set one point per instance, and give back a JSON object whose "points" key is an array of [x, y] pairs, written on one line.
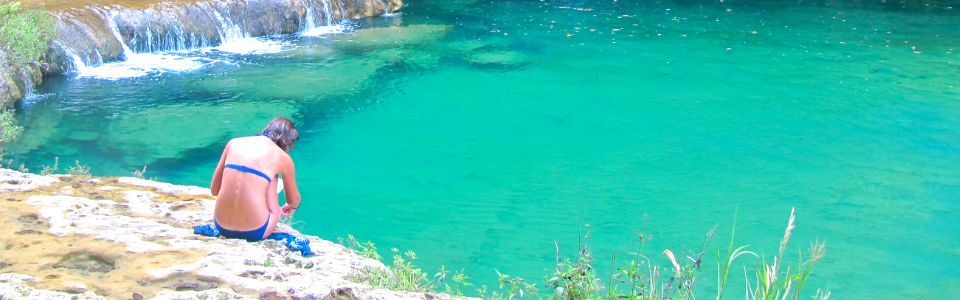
{"points": [[287, 210]]}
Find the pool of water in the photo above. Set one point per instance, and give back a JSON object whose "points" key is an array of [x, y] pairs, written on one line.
{"points": [[479, 133]]}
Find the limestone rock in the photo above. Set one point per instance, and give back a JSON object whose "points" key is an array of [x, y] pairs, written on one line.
{"points": [[13, 181], [132, 239]]}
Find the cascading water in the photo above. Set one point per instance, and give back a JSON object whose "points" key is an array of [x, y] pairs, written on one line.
{"points": [[165, 32]]}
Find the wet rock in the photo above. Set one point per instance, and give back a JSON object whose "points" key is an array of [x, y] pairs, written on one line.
{"points": [[498, 58], [392, 37], [136, 296], [85, 262]]}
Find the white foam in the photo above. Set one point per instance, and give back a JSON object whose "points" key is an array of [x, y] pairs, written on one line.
{"points": [[247, 46], [324, 30], [143, 64]]}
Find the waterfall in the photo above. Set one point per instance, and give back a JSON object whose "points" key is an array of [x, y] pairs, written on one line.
{"points": [[93, 35], [327, 14]]}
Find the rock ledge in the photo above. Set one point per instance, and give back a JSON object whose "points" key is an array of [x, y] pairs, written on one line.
{"points": [[76, 237]]}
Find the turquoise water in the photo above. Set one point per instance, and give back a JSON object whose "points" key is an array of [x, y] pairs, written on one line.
{"points": [[478, 133]]}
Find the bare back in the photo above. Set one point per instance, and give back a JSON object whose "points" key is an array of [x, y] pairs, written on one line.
{"points": [[246, 200]]}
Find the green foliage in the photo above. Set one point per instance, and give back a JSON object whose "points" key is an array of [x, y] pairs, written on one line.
{"points": [[455, 286], [575, 279], [140, 173], [639, 279], [79, 169], [48, 170], [367, 249], [269, 263], [9, 129], [402, 275], [24, 32]]}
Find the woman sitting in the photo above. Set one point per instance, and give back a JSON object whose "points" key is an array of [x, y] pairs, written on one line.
{"points": [[245, 182]]}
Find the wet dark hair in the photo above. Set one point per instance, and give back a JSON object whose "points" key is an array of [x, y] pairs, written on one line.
{"points": [[282, 132]]}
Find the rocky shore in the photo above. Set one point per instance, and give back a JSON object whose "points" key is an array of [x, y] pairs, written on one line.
{"points": [[79, 237]]}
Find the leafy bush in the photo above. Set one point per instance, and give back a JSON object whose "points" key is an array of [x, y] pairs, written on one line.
{"points": [[24, 32], [9, 129]]}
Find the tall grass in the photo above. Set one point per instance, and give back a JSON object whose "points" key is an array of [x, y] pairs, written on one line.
{"points": [[637, 279]]}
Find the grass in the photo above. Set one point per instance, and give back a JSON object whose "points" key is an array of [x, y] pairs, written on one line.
{"points": [[79, 169], [50, 170], [140, 173], [638, 279], [24, 33]]}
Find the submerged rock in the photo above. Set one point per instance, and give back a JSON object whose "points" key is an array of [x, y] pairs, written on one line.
{"points": [[340, 75], [498, 58], [392, 37], [101, 249], [160, 132]]}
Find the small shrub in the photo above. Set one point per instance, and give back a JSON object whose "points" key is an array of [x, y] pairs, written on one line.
{"points": [[49, 170], [25, 32], [455, 286], [79, 169], [269, 263], [9, 129], [367, 249], [140, 173]]}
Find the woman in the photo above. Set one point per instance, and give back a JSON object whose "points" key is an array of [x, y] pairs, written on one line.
{"points": [[245, 182]]}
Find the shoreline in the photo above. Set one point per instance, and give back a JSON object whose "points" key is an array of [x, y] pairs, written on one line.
{"points": [[82, 237], [94, 32]]}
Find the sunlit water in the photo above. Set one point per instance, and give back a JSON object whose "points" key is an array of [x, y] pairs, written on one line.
{"points": [[481, 138]]}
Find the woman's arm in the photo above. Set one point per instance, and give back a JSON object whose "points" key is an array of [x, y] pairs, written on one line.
{"points": [[272, 202], [218, 172], [290, 186]]}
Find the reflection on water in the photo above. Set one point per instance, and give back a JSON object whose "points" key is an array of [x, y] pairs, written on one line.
{"points": [[479, 132]]}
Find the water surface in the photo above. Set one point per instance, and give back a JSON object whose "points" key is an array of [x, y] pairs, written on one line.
{"points": [[478, 133]]}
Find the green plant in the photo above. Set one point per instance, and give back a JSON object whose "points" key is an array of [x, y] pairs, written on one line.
{"points": [[269, 263], [48, 170], [723, 269], [516, 287], [402, 275], [366, 249], [639, 279], [79, 169], [575, 279], [25, 32], [140, 173], [9, 129], [455, 286], [771, 283]]}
